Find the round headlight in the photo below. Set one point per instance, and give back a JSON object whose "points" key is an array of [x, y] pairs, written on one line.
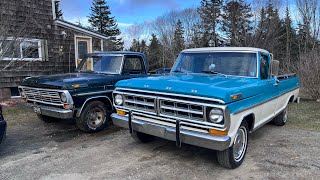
{"points": [[216, 115], [118, 100], [23, 94], [63, 97]]}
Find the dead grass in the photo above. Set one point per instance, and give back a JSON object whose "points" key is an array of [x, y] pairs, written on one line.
{"points": [[305, 115]]}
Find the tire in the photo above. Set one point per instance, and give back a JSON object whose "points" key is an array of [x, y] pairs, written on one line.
{"points": [[282, 118], [229, 158], [47, 119], [93, 118], [142, 137]]}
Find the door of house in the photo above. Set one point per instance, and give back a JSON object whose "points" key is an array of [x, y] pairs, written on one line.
{"points": [[83, 47]]}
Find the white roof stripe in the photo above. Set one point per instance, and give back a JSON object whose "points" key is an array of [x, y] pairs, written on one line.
{"points": [[208, 49]]}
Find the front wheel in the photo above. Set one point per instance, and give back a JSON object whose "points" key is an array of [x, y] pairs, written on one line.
{"points": [[93, 117], [233, 156]]}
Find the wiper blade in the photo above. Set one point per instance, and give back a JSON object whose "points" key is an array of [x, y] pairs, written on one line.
{"points": [[214, 72], [177, 71]]}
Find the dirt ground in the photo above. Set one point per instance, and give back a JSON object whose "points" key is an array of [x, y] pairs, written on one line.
{"points": [[36, 150]]}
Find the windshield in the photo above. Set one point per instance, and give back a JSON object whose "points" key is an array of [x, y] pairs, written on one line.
{"points": [[102, 64], [226, 63]]}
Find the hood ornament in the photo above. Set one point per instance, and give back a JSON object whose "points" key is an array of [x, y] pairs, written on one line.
{"points": [[194, 91]]}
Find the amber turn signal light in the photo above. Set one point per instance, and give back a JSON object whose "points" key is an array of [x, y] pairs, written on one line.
{"points": [[121, 112], [217, 132]]}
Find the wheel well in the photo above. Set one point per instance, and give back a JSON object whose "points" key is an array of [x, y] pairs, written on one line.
{"points": [[291, 99], [104, 99], [250, 120]]}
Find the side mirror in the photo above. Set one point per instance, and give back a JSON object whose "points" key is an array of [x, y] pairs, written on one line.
{"points": [[274, 68]]}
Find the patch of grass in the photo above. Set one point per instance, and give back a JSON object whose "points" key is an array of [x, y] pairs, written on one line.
{"points": [[17, 115], [305, 115]]}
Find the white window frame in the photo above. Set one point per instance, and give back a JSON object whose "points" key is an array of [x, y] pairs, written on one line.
{"points": [[21, 53]]}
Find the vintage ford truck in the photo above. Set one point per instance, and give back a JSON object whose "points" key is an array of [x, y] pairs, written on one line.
{"points": [[212, 98], [85, 94]]}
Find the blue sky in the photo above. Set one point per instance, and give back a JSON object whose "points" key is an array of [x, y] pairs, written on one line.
{"points": [[126, 12]]}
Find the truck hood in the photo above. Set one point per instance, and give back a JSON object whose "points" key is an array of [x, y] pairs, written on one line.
{"points": [[210, 86], [66, 81]]}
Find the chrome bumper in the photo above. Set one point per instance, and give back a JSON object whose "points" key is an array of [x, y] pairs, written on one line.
{"points": [[50, 111], [169, 133]]}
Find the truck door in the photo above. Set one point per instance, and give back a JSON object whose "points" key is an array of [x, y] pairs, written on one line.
{"points": [[133, 67], [270, 91]]}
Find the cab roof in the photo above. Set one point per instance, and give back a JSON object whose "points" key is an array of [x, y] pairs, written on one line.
{"points": [[236, 49], [117, 53]]}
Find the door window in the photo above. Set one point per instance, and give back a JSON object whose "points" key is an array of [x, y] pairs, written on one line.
{"points": [[133, 65]]}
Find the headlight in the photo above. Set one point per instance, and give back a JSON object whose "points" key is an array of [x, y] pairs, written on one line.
{"points": [[63, 97], [118, 100], [215, 115], [23, 94]]}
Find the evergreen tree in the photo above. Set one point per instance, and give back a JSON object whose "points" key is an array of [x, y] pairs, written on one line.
{"points": [[58, 11], [270, 31], [199, 37], [143, 46], [210, 11], [292, 49], [154, 53], [135, 46], [178, 39], [236, 22], [101, 20]]}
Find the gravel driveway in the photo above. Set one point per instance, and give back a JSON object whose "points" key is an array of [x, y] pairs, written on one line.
{"points": [[35, 150]]}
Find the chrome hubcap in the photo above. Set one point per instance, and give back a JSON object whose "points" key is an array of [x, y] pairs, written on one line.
{"points": [[240, 144], [96, 117], [285, 116]]}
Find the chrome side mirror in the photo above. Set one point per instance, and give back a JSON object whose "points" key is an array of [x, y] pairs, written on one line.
{"points": [[274, 68]]}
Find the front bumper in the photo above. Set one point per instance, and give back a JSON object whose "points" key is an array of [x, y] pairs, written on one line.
{"points": [[3, 130], [50, 111], [169, 133]]}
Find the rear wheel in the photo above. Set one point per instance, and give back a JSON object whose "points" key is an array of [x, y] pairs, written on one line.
{"points": [[93, 117], [142, 137], [47, 119], [233, 156], [282, 118]]}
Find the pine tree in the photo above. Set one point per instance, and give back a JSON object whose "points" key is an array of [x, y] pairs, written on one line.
{"points": [[58, 11], [154, 53], [236, 22], [292, 49], [210, 11], [178, 39], [135, 46], [143, 46], [101, 20], [199, 37]]}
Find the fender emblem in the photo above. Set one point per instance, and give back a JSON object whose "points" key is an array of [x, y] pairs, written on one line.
{"points": [[194, 91], [146, 86], [168, 88]]}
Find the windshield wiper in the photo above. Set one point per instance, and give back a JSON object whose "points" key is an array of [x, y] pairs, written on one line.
{"points": [[214, 72], [177, 71]]}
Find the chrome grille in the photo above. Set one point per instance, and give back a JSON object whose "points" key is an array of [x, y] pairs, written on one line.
{"points": [[140, 102], [186, 110], [42, 96]]}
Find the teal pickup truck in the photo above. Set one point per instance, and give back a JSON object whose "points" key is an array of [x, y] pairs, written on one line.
{"points": [[212, 98], [85, 94]]}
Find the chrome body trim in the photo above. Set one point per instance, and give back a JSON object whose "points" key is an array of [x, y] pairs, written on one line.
{"points": [[91, 98], [51, 111], [166, 132], [93, 93]]}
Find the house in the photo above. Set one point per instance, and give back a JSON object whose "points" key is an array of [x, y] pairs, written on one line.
{"points": [[33, 42]]}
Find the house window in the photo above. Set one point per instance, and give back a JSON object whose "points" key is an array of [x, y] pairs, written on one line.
{"points": [[22, 49]]}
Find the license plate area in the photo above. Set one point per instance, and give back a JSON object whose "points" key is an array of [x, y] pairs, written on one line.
{"points": [[37, 110]]}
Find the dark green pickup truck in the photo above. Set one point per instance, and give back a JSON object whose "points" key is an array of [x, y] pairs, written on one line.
{"points": [[86, 94]]}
